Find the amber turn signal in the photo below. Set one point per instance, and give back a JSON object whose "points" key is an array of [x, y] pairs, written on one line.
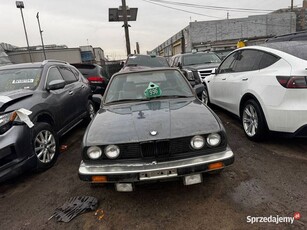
{"points": [[216, 165], [99, 179]]}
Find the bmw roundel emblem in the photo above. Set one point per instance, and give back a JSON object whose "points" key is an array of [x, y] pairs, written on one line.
{"points": [[153, 133]]}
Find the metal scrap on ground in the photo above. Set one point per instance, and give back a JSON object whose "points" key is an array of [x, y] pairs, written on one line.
{"points": [[75, 206]]}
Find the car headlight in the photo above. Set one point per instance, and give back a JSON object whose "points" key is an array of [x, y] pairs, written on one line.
{"points": [[197, 142], [6, 121], [112, 151], [214, 139], [94, 152]]}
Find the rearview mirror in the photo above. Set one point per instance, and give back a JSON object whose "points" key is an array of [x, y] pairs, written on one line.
{"points": [[199, 88], [56, 84], [215, 71], [97, 98]]}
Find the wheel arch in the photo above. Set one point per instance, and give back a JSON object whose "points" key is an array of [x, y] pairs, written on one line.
{"points": [[245, 98]]}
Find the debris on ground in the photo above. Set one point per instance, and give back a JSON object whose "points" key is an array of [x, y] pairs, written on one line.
{"points": [[75, 206]]}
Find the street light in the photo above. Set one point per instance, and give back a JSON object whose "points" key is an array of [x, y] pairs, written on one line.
{"points": [[41, 33], [20, 5]]}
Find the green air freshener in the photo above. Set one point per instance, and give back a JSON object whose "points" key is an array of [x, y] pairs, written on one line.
{"points": [[153, 90]]}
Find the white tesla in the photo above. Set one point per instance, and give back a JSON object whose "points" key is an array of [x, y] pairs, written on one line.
{"points": [[266, 86]]}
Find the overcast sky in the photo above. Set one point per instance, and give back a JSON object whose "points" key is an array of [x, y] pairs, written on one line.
{"points": [[82, 22]]}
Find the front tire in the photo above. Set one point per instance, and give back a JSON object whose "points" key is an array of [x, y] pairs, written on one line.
{"points": [[45, 145], [205, 97], [253, 121]]}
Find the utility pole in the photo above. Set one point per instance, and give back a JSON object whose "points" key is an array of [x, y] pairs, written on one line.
{"points": [[20, 5], [291, 5], [126, 26], [227, 15], [41, 33]]}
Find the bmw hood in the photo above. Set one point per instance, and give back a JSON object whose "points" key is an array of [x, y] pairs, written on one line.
{"points": [[153, 120], [10, 97]]}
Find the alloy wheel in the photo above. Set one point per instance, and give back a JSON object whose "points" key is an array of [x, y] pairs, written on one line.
{"points": [[45, 146], [91, 111], [250, 120]]}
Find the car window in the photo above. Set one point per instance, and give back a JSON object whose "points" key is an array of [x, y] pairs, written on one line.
{"points": [[200, 58], [67, 74], [14, 79], [228, 63], [267, 60], [75, 72], [247, 60], [53, 74], [133, 85], [150, 61]]}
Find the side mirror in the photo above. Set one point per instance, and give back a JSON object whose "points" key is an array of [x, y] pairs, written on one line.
{"points": [[56, 84], [179, 65], [199, 88], [215, 71], [97, 98]]}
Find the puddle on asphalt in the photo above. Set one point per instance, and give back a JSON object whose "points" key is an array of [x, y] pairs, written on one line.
{"points": [[250, 194]]}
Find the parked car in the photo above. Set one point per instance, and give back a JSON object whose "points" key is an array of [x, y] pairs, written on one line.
{"points": [[58, 98], [137, 60], [150, 127], [265, 86], [95, 74], [197, 63]]}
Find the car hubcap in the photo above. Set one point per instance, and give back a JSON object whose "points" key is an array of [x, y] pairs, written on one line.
{"points": [[205, 97], [91, 111], [45, 146], [250, 120]]}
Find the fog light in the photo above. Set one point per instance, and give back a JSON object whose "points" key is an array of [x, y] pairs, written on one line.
{"points": [[99, 179], [124, 187], [192, 179]]}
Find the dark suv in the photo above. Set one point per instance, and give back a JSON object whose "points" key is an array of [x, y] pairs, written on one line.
{"points": [[95, 74], [54, 96], [199, 63], [134, 61]]}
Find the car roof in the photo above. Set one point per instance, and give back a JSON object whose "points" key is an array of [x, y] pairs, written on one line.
{"points": [[200, 52], [32, 65]]}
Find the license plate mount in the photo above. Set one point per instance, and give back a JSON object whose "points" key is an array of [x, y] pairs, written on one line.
{"points": [[158, 174]]}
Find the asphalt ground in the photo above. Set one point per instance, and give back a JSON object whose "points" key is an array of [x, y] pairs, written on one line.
{"points": [[267, 179]]}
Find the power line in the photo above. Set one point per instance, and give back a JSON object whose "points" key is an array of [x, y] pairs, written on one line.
{"points": [[211, 7], [174, 8]]}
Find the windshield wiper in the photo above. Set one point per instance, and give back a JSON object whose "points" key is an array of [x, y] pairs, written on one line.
{"points": [[171, 96], [127, 100]]}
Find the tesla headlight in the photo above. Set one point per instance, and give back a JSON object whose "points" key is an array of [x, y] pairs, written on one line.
{"points": [[214, 139], [197, 142], [94, 152], [112, 151]]}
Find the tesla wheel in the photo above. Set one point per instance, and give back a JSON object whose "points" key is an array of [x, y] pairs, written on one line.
{"points": [[253, 121], [91, 111], [46, 145], [205, 97]]}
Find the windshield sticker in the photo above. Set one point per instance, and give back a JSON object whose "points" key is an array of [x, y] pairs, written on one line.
{"points": [[153, 90], [22, 81]]}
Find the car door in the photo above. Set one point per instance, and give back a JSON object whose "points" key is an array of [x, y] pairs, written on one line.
{"points": [[60, 100], [245, 68], [74, 87], [216, 83]]}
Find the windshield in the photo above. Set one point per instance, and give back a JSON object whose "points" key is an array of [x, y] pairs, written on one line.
{"points": [[150, 61], [132, 86], [14, 79], [200, 58]]}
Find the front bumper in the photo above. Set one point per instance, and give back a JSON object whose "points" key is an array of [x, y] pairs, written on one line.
{"points": [[130, 172], [16, 153]]}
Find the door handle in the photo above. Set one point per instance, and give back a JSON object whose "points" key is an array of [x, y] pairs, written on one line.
{"points": [[70, 92], [82, 86], [245, 79], [224, 79]]}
